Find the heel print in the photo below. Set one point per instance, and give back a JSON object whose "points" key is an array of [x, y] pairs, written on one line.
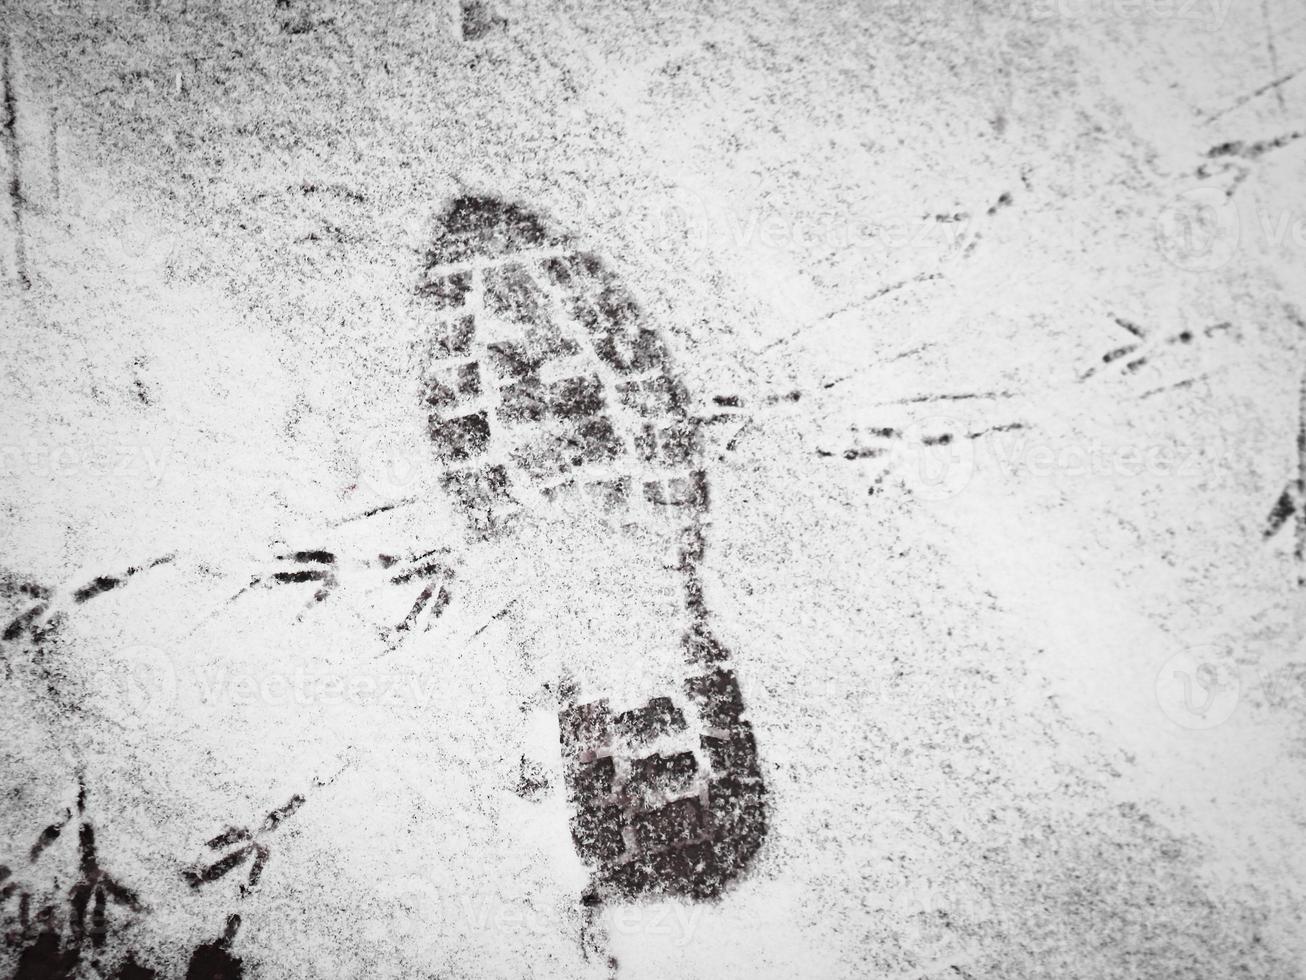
{"points": [[683, 821]]}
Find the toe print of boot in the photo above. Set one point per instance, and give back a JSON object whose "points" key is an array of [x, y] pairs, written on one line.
{"points": [[550, 396]]}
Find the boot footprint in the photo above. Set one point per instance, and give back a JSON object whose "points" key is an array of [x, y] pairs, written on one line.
{"points": [[546, 388]]}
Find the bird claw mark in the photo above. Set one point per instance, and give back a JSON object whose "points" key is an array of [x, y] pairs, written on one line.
{"points": [[1129, 325], [49, 949], [330, 573], [30, 622], [1186, 383], [962, 396], [1004, 201], [34, 622], [1291, 504], [890, 438], [434, 573], [250, 846], [730, 409], [1288, 505], [1272, 86], [317, 566], [214, 960], [49, 836], [1234, 157], [1254, 149], [274, 819], [848, 307], [103, 583], [1149, 348], [429, 596]]}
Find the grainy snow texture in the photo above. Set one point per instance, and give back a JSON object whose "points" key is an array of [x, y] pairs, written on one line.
{"points": [[632, 489]]}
